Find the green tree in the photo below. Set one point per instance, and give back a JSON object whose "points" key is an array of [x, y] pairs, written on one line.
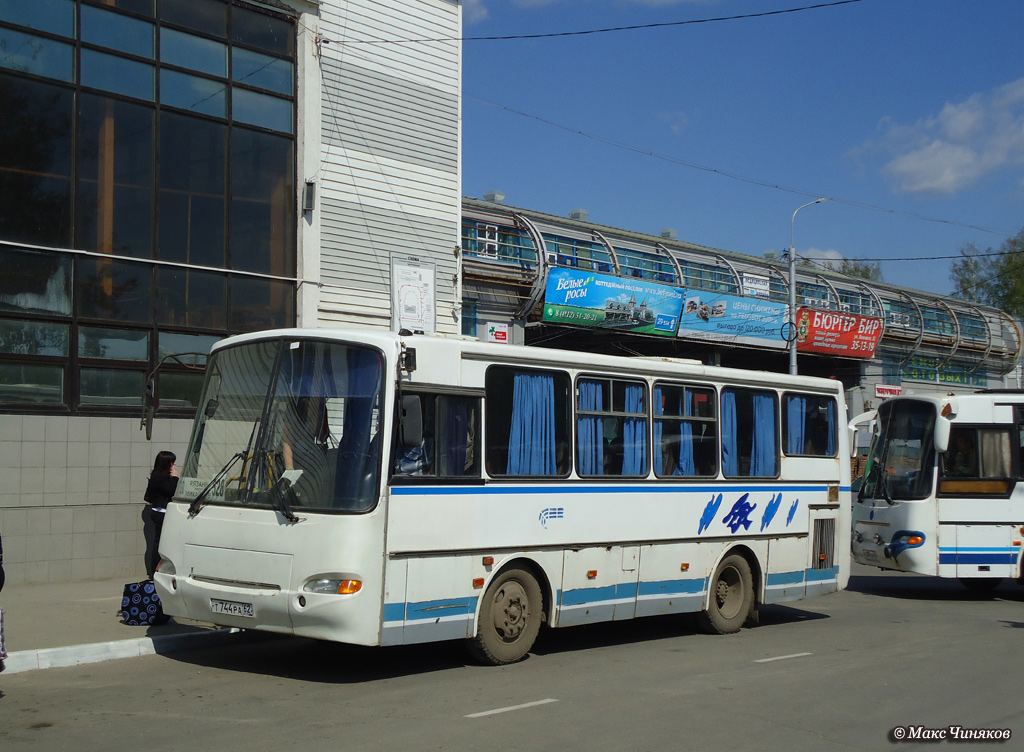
{"points": [[992, 277]]}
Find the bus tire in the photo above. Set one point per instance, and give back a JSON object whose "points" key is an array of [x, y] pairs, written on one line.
{"points": [[981, 585], [731, 599], [510, 616]]}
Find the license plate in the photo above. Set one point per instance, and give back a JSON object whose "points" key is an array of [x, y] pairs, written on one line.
{"points": [[232, 608]]}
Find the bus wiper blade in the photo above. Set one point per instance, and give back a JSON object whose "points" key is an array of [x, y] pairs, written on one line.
{"points": [[883, 485], [197, 502], [280, 491]]}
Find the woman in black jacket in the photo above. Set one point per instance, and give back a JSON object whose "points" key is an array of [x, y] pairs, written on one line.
{"points": [[163, 482]]}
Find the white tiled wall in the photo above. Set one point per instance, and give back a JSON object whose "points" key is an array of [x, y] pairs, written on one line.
{"points": [[71, 494]]}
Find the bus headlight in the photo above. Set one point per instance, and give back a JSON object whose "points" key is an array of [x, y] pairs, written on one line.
{"points": [[333, 586], [166, 566]]}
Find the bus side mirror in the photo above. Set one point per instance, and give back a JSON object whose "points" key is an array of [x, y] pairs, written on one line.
{"points": [[411, 422], [148, 408], [942, 426]]}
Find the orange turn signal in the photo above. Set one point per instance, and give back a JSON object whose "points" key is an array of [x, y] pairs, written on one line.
{"points": [[592, 574], [915, 540], [348, 587], [684, 567], [478, 582], [488, 561]]}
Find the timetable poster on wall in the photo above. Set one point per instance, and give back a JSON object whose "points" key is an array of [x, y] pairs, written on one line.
{"points": [[413, 294], [831, 333], [627, 304]]}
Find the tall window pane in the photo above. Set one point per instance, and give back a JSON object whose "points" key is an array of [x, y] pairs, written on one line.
{"points": [[193, 93], [115, 212], [106, 386], [31, 384], [113, 344], [54, 16], [262, 110], [260, 30], [35, 282], [195, 53], [208, 17], [261, 304], [106, 29], [193, 166], [261, 71], [192, 298], [33, 338], [28, 53], [114, 290], [117, 74], [262, 205], [35, 162]]}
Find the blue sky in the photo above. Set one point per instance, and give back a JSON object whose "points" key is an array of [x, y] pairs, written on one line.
{"points": [[914, 107]]}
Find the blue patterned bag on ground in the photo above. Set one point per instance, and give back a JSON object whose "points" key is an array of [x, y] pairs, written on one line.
{"points": [[140, 605]]}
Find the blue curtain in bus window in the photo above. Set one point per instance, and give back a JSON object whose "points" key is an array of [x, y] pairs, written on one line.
{"points": [[658, 448], [531, 449], [589, 429], [456, 427], [762, 455], [355, 480], [796, 417], [634, 433], [730, 456], [830, 418], [686, 466]]}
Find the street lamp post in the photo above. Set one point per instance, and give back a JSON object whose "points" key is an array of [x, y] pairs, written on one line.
{"points": [[792, 288]]}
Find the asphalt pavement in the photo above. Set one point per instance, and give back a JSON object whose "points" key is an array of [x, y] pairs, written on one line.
{"points": [[71, 623]]}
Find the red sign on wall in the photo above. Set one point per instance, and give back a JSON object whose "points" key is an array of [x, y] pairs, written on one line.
{"points": [[832, 333]]}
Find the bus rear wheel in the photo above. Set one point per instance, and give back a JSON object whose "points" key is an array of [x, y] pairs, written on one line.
{"points": [[731, 599], [509, 619]]}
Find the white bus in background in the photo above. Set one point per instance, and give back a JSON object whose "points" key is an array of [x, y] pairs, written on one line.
{"points": [[941, 492], [371, 488]]}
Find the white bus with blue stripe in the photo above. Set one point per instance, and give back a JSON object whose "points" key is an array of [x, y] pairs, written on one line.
{"points": [[941, 493], [379, 489]]}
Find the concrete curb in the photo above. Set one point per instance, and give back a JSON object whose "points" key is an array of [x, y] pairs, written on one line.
{"points": [[96, 652]]}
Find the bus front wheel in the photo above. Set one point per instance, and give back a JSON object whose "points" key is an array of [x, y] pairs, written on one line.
{"points": [[732, 597], [509, 619]]}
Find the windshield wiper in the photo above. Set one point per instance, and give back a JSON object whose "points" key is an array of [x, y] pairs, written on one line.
{"points": [[197, 502], [280, 491], [883, 486]]}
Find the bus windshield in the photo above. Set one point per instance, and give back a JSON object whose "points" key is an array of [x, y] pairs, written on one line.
{"points": [[902, 456], [288, 424]]}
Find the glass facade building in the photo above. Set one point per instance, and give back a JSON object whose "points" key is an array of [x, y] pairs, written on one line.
{"points": [[149, 181]]}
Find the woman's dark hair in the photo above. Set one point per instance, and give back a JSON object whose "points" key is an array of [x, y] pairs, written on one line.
{"points": [[163, 463]]}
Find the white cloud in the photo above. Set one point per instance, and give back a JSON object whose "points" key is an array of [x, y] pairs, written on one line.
{"points": [[948, 152], [830, 259], [677, 121], [473, 11]]}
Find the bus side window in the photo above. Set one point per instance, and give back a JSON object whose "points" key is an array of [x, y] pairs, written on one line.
{"points": [[528, 429], [611, 427], [685, 440], [979, 462], [749, 421], [809, 425], [449, 446]]}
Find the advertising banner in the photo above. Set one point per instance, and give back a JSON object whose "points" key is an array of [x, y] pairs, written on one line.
{"points": [[729, 318], [631, 305], [831, 333]]}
